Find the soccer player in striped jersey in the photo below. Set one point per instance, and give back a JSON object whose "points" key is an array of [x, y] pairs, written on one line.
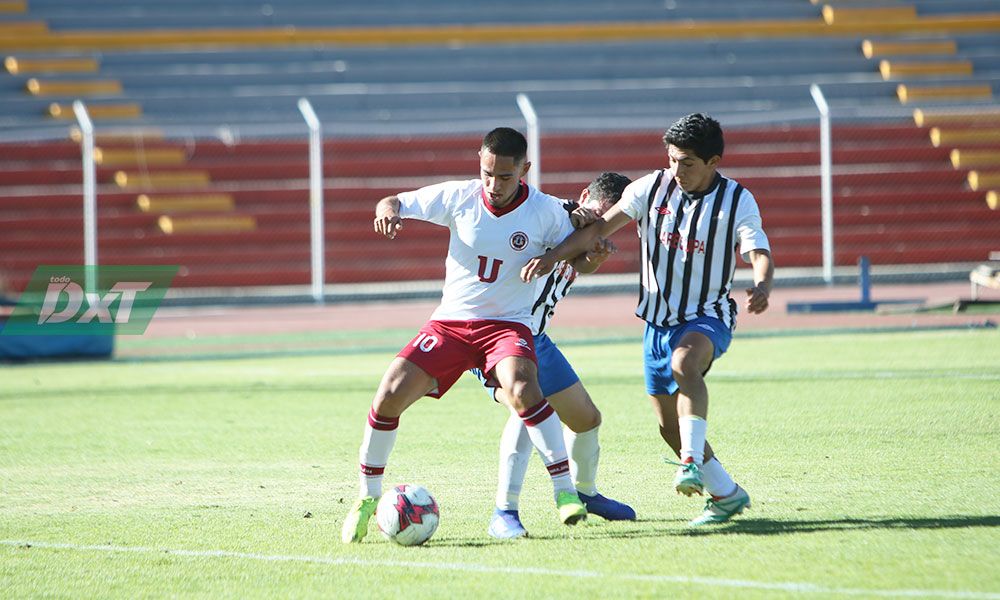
{"points": [[691, 222], [483, 321], [560, 384]]}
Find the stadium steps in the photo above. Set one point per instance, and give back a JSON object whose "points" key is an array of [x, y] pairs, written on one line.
{"points": [[866, 200], [892, 185], [50, 65], [974, 136], [198, 173], [982, 157], [102, 111], [983, 180]]}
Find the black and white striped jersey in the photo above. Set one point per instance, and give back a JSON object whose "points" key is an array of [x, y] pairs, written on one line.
{"points": [[548, 292], [688, 246]]}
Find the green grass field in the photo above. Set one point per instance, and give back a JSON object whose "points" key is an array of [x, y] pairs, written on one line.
{"points": [[872, 461]]}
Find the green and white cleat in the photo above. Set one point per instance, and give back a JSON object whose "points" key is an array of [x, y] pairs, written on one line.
{"points": [[356, 524], [720, 510], [688, 480], [571, 508]]}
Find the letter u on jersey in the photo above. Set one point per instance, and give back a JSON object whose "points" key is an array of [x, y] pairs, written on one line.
{"points": [[494, 271]]}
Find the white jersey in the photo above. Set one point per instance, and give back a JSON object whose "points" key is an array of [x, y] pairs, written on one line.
{"points": [[488, 246], [688, 246]]}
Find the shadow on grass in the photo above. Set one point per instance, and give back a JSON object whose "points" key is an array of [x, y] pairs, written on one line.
{"points": [[654, 528], [774, 527]]}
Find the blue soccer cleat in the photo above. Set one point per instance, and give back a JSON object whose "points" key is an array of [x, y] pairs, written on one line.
{"points": [[611, 510], [506, 525]]}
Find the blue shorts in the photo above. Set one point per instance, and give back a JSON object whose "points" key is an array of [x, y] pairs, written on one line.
{"points": [[658, 345], [554, 372]]}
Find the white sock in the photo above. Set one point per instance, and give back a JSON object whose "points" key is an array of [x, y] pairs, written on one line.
{"points": [[584, 453], [716, 479], [693, 431], [546, 435], [380, 435], [515, 452]]}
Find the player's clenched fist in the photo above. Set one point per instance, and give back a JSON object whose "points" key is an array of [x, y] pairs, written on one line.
{"points": [[756, 302], [388, 225], [583, 216], [603, 248]]}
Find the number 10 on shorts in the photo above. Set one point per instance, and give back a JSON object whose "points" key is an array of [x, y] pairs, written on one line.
{"points": [[425, 342]]}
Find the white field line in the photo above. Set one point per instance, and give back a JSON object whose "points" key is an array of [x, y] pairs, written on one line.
{"points": [[791, 587]]}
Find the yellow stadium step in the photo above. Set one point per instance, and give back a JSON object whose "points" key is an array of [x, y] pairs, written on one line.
{"points": [[97, 112], [162, 179], [130, 157], [20, 29], [993, 199], [22, 66], [13, 6], [850, 14], [912, 93], [970, 159], [131, 136], [925, 118], [207, 224], [950, 137], [980, 180], [872, 48], [895, 69], [80, 41], [185, 203], [95, 87]]}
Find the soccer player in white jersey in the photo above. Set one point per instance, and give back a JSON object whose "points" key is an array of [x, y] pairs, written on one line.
{"points": [[496, 222], [691, 221], [559, 383]]}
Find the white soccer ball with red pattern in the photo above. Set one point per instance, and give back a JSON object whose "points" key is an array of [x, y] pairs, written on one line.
{"points": [[407, 514]]}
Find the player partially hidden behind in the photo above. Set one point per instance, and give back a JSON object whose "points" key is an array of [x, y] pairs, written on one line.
{"points": [[691, 221], [561, 385], [496, 222]]}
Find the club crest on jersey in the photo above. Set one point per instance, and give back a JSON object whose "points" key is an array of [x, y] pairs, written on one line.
{"points": [[519, 240]]}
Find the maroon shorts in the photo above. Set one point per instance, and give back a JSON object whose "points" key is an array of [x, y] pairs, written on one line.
{"points": [[446, 349]]}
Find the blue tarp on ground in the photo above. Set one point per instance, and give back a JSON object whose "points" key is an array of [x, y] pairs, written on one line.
{"points": [[21, 348]]}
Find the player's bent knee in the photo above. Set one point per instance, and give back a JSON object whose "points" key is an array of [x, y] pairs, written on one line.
{"points": [[522, 396], [590, 420], [686, 364]]}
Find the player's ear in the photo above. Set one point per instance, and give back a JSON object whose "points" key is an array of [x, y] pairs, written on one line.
{"points": [[714, 161], [525, 167], [584, 195]]}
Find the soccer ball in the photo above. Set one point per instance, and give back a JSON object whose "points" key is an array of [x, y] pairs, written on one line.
{"points": [[407, 514]]}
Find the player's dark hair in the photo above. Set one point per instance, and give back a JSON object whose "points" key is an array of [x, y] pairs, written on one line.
{"points": [[504, 141], [607, 188], [696, 132]]}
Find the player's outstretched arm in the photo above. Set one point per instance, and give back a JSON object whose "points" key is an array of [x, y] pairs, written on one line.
{"points": [[579, 242], [763, 277], [387, 220]]}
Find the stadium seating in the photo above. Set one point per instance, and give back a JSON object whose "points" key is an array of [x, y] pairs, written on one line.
{"points": [[217, 181]]}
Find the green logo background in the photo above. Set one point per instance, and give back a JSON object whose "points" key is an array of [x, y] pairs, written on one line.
{"points": [[54, 287]]}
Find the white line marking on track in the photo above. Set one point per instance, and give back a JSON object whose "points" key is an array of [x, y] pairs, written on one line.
{"points": [[792, 587]]}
